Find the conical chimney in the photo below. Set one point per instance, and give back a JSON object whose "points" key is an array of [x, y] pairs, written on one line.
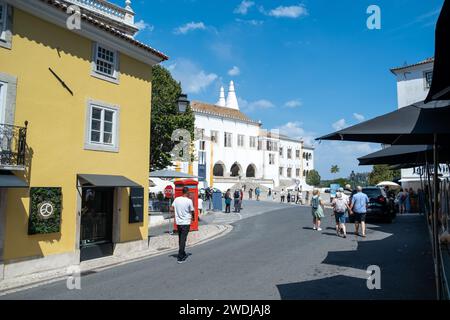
{"points": [[222, 102], [232, 99]]}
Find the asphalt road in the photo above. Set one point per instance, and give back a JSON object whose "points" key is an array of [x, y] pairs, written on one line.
{"points": [[275, 255]]}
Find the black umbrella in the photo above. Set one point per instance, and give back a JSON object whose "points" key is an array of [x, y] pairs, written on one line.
{"points": [[412, 125], [409, 154], [440, 86]]}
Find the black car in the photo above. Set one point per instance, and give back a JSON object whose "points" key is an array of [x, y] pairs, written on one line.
{"points": [[381, 206]]}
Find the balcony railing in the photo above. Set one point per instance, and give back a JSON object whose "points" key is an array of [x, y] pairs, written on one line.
{"points": [[13, 141], [106, 9]]}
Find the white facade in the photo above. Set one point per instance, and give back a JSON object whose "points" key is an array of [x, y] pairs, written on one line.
{"points": [[413, 85], [232, 148]]}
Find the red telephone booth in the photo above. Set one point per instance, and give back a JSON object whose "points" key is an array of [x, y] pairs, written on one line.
{"points": [[193, 195]]}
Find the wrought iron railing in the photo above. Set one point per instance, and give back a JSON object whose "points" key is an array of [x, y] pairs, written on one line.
{"points": [[13, 141]]}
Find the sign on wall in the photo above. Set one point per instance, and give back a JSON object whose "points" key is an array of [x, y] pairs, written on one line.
{"points": [[45, 210], [136, 211]]}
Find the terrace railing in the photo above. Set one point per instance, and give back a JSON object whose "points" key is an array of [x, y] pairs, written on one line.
{"points": [[13, 141]]}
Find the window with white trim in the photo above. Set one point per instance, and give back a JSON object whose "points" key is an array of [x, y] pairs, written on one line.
{"points": [[105, 61], [2, 102], [271, 158], [289, 172], [214, 136], [102, 128], [240, 140], [2, 20], [253, 142]]}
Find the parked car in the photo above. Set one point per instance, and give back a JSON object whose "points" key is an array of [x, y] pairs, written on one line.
{"points": [[381, 206]]}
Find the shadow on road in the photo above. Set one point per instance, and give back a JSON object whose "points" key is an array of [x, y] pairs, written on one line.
{"points": [[403, 254]]}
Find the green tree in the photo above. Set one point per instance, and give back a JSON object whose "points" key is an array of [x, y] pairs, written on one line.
{"points": [[382, 173], [313, 178], [165, 118], [335, 169]]}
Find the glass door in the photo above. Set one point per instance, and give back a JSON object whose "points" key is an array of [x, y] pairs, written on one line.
{"points": [[96, 216]]}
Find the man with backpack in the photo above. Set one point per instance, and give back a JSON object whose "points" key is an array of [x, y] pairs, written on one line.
{"points": [[340, 207], [237, 201]]}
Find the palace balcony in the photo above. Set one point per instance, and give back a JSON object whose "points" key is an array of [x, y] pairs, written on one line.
{"points": [[13, 146]]}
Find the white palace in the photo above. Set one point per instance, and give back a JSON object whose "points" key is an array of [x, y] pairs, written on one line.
{"points": [[233, 149]]}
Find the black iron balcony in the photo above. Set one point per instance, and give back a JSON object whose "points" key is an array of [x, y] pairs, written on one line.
{"points": [[13, 141]]}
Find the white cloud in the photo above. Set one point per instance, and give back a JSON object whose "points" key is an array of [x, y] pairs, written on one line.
{"points": [[252, 22], [142, 25], [243, 7], [293, 103], [295, 130], [235, 71], [339, 125], [261, 104], [293, 12], [193, 79], [191, 26], [359, 117]]}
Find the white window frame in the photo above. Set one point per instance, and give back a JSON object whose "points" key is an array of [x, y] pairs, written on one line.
{"points": [[241, 140], [3, 90], [215, 136], [101, 75], [228, 140], [100, 146], [271, 158], [253, 142], [3, 20]]}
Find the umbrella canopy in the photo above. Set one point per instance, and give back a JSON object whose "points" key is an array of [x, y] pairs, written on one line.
{"points": [[388, 184], [412, 154], [440, 86], [412, 125], [171, 174]]}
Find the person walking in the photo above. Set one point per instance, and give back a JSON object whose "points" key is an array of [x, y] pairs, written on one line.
{"points": [[340, 207], [269, 193], [250, 193], [289, 196], [237, 197], [258, 193], [299, 197], [184, 215], [307, 198], [241, 199], [283, 195], [228, 201], [200, 205], [318, 208], [360, 202], [401, 199]]}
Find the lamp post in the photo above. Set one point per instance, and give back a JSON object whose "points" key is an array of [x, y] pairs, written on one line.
{"points": [[352, 179], [182, 103]]}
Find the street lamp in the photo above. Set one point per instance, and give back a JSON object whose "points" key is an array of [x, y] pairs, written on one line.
{"points": [[182, 103], [352, 179]]}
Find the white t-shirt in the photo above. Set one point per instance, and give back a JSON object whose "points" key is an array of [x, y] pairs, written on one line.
{"points": [[200, 204], [183, 207]]}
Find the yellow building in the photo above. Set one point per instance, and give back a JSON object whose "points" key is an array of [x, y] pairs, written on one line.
{"points": [[75, 95]]}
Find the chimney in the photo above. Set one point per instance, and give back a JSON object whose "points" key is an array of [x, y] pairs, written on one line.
{"points": [[222, 102], [232, 99]]}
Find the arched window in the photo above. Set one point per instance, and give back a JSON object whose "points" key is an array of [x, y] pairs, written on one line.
{"points": [[219, 169], [251, 171], [236, 170]]}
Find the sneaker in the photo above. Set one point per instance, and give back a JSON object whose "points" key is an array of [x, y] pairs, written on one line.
{"points": [[181, 261], [319, 229], [314, 228]]}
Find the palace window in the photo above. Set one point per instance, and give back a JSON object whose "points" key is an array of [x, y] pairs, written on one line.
{"points": [[240, 140], [271, 159], [228, 138], [289, 153], [106, 63], [253, 142], [215, 136], [2, 20], [281, 152], [428, 79], [281, 171], [5, 25], [289, 172], [297, 172], [102, 128], [297, 154]]}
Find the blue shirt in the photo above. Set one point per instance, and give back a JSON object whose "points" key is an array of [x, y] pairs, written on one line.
{"points": [[359, 202]]}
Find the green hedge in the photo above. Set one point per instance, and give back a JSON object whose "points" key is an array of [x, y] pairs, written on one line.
{"points": [[38, 225]]}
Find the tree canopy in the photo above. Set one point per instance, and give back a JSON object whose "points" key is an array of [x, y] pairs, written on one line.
{"points": [[382, 173], [313, 178], [165, 117]]}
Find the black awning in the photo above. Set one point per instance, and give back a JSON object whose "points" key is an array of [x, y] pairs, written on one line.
{"points": [[9, 180], [107, 181]]}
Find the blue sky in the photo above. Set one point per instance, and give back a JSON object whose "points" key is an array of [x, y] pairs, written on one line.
{"points": [[305, 67]]}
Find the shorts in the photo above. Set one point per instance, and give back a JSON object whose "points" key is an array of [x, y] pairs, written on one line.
{"points": [[358, 217], [340, 217]]}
